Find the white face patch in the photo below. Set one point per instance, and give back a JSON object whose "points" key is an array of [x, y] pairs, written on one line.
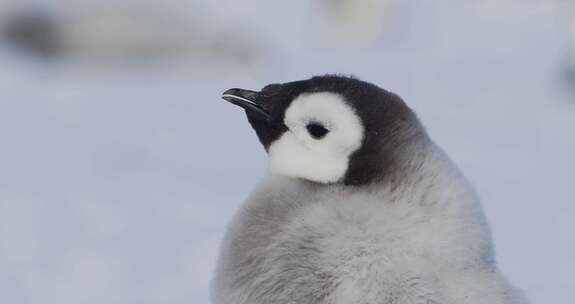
{"points": [[299, 154]]}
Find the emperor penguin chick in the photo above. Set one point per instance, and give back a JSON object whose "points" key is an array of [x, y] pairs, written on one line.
{"points": [[359, 207]]}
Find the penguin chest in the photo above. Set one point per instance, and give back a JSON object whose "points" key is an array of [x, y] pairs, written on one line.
{"points": [[352, 254]]}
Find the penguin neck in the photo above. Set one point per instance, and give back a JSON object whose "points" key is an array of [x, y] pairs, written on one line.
{"points": [[425, 174], [410, 164], [386, 162], [405, 165]]}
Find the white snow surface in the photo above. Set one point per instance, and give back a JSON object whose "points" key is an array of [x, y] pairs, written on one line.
{"points": [[116, 184]]}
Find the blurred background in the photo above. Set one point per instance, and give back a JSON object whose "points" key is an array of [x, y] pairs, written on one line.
{"points": [[120, 166]]}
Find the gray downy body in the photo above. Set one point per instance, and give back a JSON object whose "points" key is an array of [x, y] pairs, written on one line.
{"points": [[421, 240]]}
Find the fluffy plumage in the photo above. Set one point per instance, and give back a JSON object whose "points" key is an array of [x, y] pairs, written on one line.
{"points": [[407, 230]]}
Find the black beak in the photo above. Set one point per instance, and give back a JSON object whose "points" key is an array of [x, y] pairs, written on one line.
{"points": [[248, 100]]}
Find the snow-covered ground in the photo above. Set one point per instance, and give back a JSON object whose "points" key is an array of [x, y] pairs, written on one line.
{"points": [[116, 183]]}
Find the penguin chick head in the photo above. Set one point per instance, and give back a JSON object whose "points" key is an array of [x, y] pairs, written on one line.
{"points": [[331, 129]]}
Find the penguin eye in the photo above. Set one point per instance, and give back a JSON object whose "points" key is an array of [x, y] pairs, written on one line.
{"points": [[316, 130]]}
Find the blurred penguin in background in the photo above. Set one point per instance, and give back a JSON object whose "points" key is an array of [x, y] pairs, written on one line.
{"points": [[107, 31], [112, 32]]}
